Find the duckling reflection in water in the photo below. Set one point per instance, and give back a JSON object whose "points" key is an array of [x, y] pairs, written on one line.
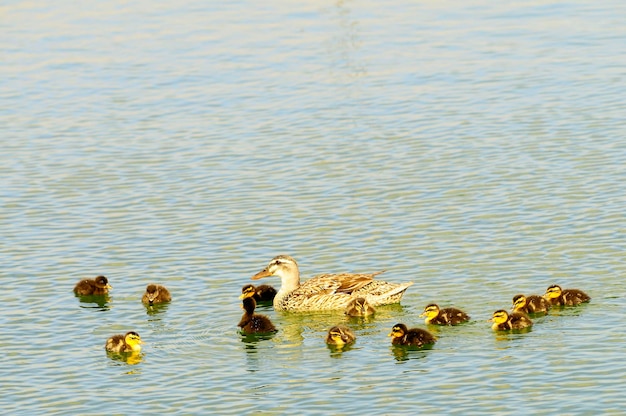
{"points": [[446, 316], [565, 297], [252, 323], [415, 337], [156, 294], [532, 304], [359, 307], [88, 287], [262, 293], [339, 336], [504, 321]]}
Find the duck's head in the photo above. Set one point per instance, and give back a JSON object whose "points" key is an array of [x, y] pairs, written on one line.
{"points": [[519, 301], [102, 283], [499, 317], [153, 292], [133, 340], [398, 330], [247, 291], [282, 266], [553, 291], [339, 336], [430, 311], [249, 305]]}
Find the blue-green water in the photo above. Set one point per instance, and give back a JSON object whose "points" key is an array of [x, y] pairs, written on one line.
{"points": [[476, 148]]}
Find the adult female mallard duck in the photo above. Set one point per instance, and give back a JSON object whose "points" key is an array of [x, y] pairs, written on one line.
{"points": [[565, 297], [98, 286], [156, 294], [327, 291], [340, 335], [253, 323], [446, 316], [359, 307], [504, 321], [262, 293], [530, 304], [415, 337], [131, 342]]}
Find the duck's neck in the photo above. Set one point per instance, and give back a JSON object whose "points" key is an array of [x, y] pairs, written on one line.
{"points": [[289, 282]]}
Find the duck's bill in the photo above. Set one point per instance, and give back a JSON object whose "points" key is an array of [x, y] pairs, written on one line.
{"points": [[263, 273], [422, 315]]}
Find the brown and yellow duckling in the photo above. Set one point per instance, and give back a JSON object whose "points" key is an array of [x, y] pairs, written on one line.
{"points": [[359, 307], [415, 337], [156, 294], [565, 297], [98, 286], [252, 323], [530, 304], [262, 293], [446, 316], [504, 321], [340, 335], [130, 342]]}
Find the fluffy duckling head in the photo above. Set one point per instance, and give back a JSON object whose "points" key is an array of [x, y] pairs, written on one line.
{"points": [[133, 340], [152, 292], [340, 335], [398, 330], [519, 301], [359, 307], [553, 291], [499, 317], [102, 283], [430, 311], [247, 291]]}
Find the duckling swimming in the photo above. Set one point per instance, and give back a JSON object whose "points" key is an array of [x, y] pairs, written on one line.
{"points": [[252, 323], [359, 307], [131, 342], [340, 335], [530, 304], [504, 321], [262, 293], [447, 316], [156, 294], [565, 297], [416, 337], [98, 286]]}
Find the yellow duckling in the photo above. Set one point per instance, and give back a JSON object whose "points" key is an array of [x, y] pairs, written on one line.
{"points": [[156, 294], [415, 337], [447, 316], [530, 304], [327, 291], [504, 321], [565, 297], [262, 293], [359, 307], [340, 335], [98, 286], [131, 342], [252, 323]]}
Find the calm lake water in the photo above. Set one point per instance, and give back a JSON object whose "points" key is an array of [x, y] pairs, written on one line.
{"points": [[475, 148]]}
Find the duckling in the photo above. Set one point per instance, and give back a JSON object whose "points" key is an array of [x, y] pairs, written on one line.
{"points": [[565, 297], [98, 286], [340, 335], [504, 321], [252, 323], [359, 307], [416, 337], [327, 291], [156, 294], [131, 342], [262, 293], [447, 316], [530, 304]]}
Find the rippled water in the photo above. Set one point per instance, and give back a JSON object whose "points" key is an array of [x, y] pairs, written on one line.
{"points": [[476, 148]]}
